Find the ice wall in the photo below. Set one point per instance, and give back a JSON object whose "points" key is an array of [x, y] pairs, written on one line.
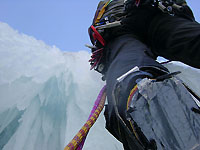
{"points": [[189, 75], [46, 95]]}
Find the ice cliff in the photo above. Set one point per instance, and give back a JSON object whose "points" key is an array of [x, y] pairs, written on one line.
{"points": [[46, 95]]}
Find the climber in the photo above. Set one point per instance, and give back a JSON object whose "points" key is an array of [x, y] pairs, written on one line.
{"points": [[133, 116]]}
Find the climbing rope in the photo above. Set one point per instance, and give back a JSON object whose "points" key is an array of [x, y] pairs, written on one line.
{"points": [[78, 141]]}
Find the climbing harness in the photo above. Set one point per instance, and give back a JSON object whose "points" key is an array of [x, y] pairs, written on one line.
{"points": [[108, 15], [78, 141], [166, 6], [96, 38]]}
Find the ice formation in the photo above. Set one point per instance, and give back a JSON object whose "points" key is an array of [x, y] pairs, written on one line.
{"points": [[46, 95]]}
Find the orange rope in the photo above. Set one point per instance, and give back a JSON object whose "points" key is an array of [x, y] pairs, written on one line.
{"points": [[127, 106], [131, 95]]}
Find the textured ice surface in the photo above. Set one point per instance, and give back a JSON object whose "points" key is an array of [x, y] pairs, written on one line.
{"points": [[46, 95], [189, 75]]}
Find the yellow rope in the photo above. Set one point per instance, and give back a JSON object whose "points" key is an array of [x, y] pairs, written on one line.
{"points": [[130, 96], [127, 106], [86, 127]]}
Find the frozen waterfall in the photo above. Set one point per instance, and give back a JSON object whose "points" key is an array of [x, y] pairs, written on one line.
{"points": [[46, 95]]}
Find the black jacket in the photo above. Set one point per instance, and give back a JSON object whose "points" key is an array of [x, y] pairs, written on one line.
{"points": [[175, 38]]}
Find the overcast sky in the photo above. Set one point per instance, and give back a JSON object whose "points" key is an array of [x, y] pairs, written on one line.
{"points": [[62, 23]]}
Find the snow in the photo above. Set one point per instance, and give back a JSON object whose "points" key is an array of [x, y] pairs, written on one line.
{"points": [[46, 95]]}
